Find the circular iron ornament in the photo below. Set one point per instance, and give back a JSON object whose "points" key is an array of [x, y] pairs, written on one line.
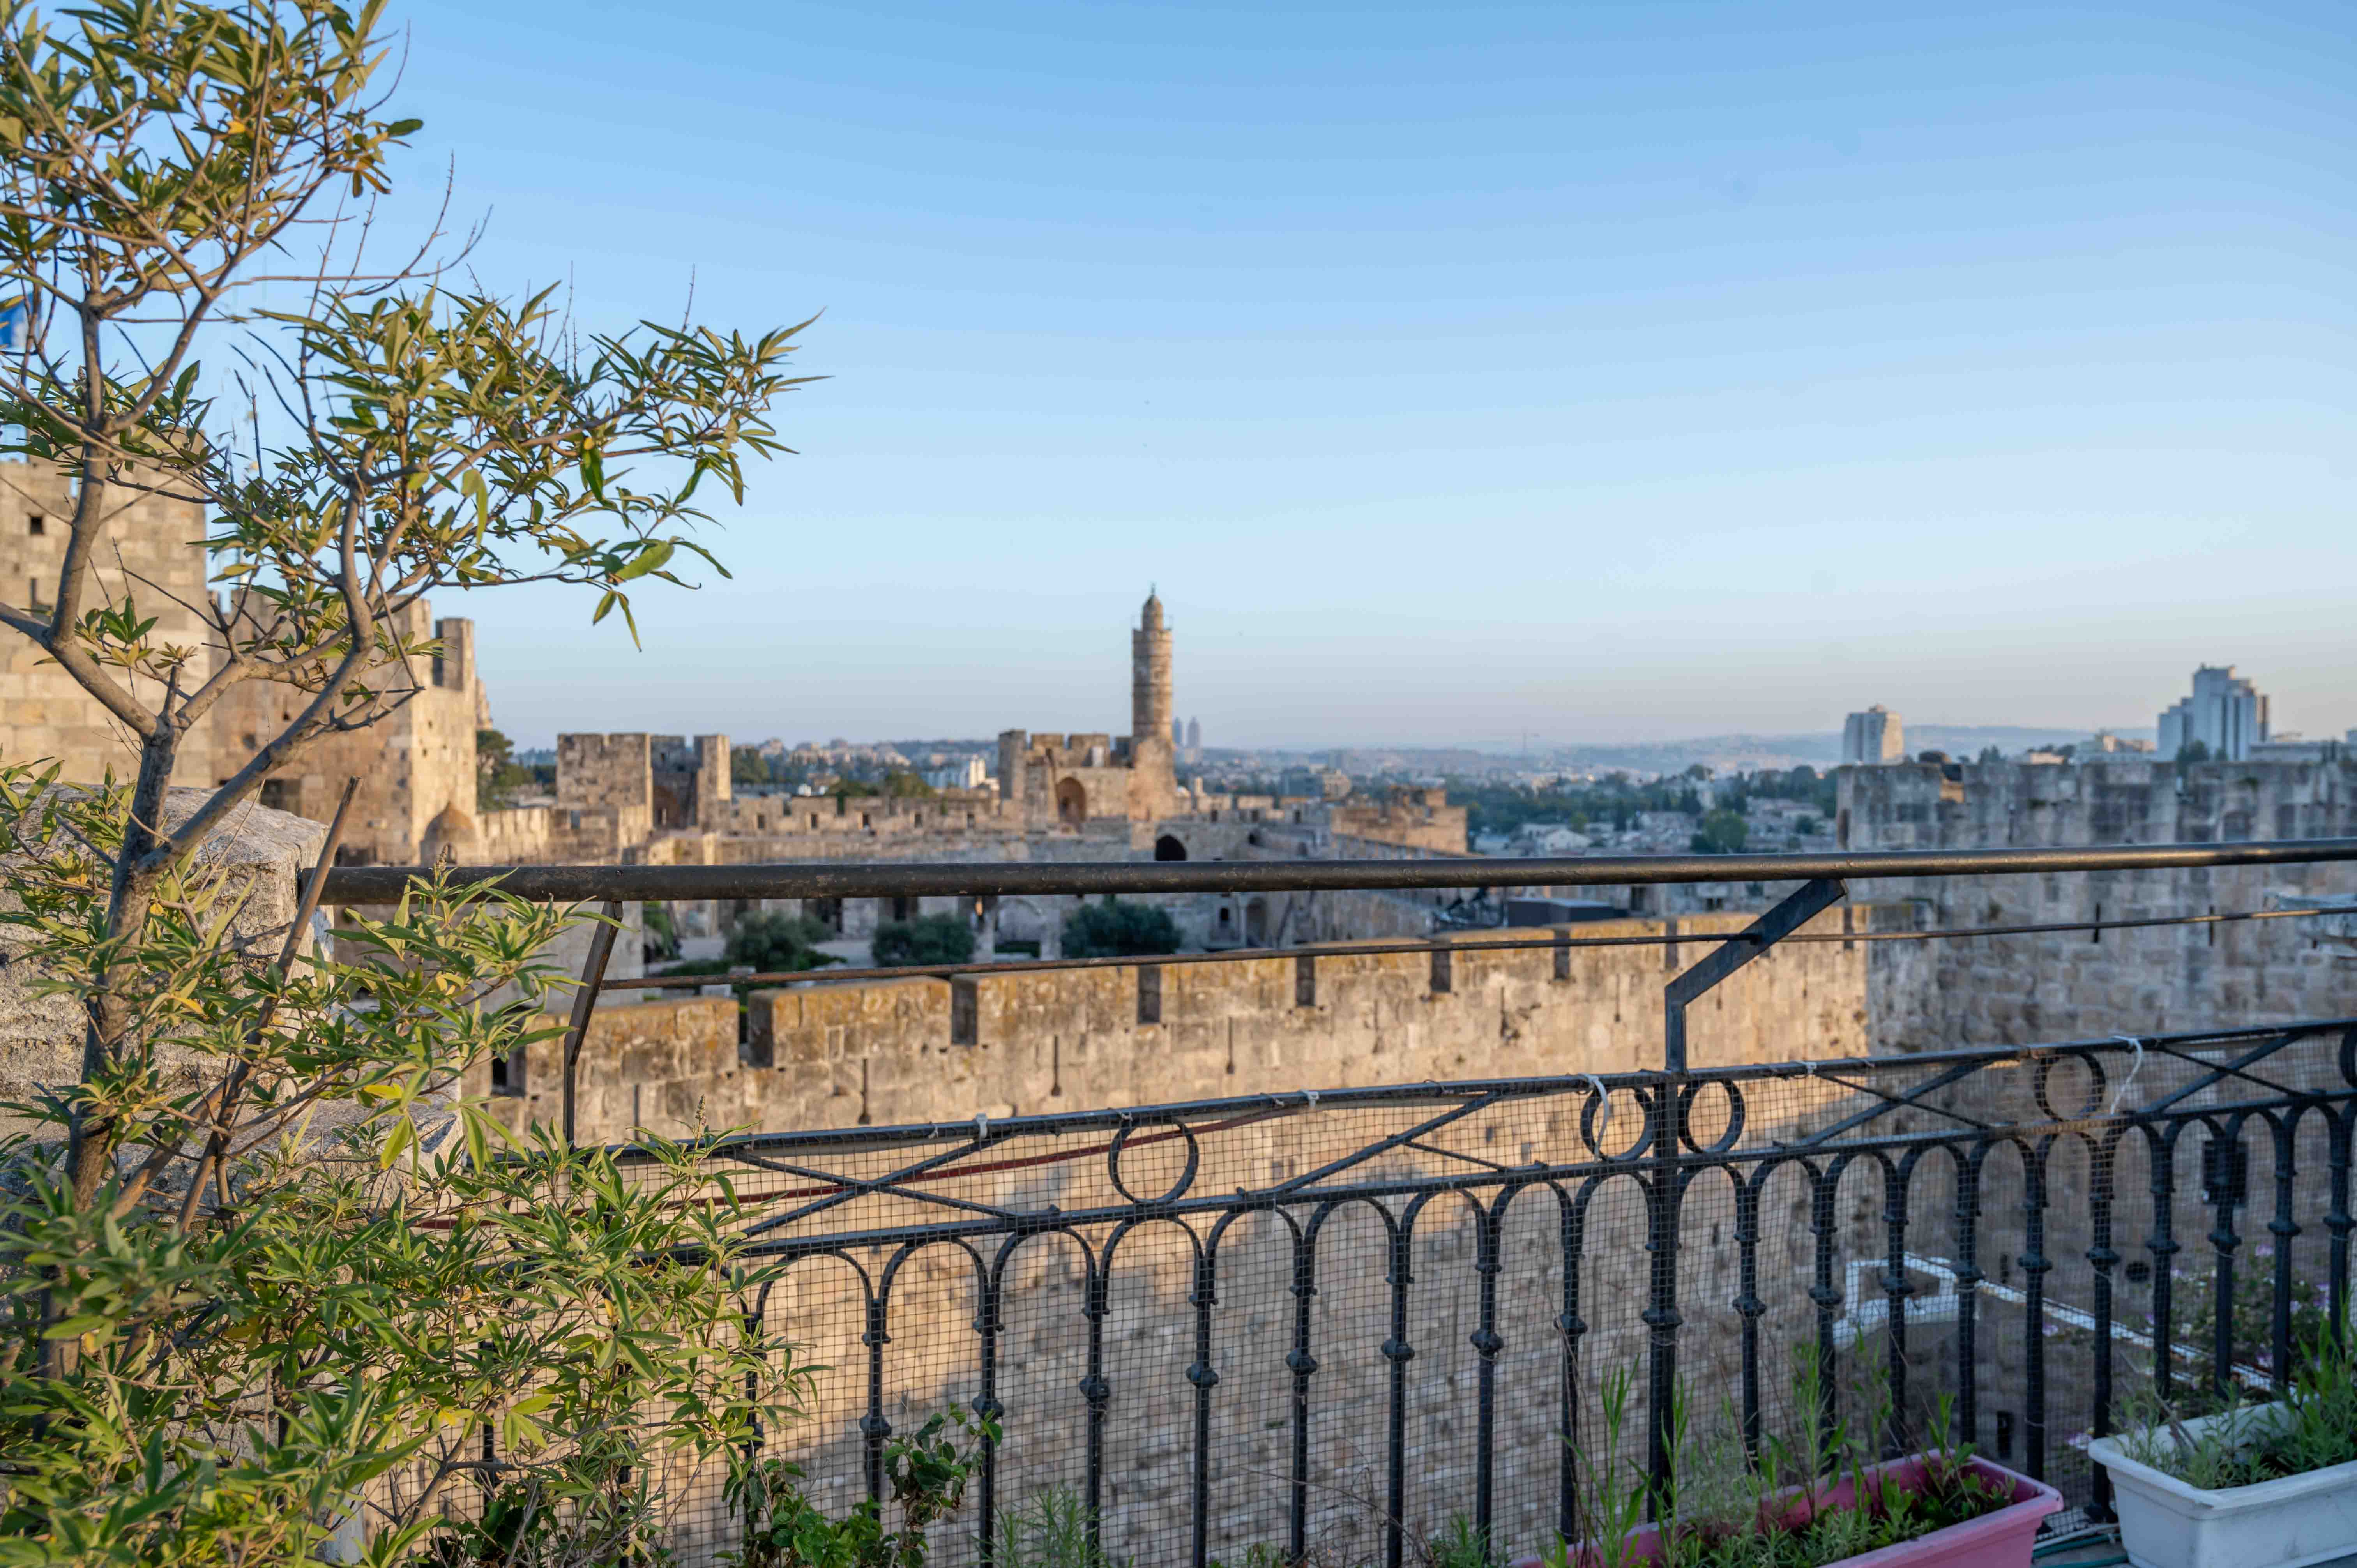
{"points": [[1589, 1132], [2041, 1083], [1726, 1140], [1186, 1177]]}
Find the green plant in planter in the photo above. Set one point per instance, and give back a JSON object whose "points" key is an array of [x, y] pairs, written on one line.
{"points": [[2317, 1429], [1051, 1530], [1723, 1512], [926, 1471], [1461, 1545]]}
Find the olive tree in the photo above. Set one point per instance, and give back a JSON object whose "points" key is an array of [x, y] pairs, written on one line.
{"points": [[263, 1279], [159, 159]]}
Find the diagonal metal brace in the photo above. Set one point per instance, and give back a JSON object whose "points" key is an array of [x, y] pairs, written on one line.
{"points": [[1809, 900], [585, 1004]]}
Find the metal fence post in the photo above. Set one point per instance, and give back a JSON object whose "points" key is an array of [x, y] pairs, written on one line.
{"points": [[585, 1002], [1667, 1184]]}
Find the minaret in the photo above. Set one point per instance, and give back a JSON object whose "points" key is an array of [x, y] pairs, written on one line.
{"points": [[1154, 778], [1151, 703]]}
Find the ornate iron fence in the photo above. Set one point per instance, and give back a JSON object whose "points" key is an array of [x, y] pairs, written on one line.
{"points": [[1333, 1325], [1336, 1326]]}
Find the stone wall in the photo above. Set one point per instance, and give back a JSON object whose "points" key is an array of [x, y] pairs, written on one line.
{"points": [[660, 1066], [854, 1053], [1414, 818], [260, 854], [562, 835], [603, 770], [151, 551], [416, 765], [2016, 990]]}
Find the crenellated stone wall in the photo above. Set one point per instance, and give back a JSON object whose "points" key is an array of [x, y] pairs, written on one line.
{"points": [[892, 1051]]}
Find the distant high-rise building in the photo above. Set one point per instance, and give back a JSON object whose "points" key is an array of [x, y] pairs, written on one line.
{"points": [[1874, 736], [1194, 734], [2225, 714]]}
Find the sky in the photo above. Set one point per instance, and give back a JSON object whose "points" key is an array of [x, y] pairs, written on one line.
{"points": [[1593, 372]]}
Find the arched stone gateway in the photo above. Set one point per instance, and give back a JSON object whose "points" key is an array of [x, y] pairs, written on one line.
{"points": [[1072, 802], [1168, 847]]}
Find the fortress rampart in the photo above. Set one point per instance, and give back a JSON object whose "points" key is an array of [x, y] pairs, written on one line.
{"points": [[846, 1054]]}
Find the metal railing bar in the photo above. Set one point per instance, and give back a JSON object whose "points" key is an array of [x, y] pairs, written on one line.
{"points": [[1439, 1092], [1276, 1196], [583, 883], [1370, 949], [840, 1188], [849, 1187], [584, 1005], [1425, 1148], [1288, 1194], [2219, 1071], [1911, 1100], [1955, 1074], [831, 1182], [1383, 1146]]}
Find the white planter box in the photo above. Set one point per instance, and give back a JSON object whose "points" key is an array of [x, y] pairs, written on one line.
{"points": [[2285, 1523]]}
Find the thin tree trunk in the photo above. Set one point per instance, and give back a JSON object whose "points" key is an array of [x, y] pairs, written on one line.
{"points": [[112, 1010]]}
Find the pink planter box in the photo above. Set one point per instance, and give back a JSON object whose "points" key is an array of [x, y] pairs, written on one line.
{"points": [[1999, 1539]]}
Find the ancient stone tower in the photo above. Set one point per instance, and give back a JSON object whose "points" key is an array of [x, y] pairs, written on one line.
{"points": [[1150, 704], [1153, 775]]}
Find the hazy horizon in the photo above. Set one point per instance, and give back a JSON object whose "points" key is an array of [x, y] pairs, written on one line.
{"points": [[1536, 745], [1455, 372]]}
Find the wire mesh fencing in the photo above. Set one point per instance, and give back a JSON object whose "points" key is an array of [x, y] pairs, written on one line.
{"points": [[1355, 1327]]}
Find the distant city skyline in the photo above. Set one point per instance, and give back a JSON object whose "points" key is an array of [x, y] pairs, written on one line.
{"points": [[889, 698], [1458, 371]]}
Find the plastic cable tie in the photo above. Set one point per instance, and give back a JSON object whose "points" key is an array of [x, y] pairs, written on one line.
{"points": [[1603, 1099], [980, 1128], [2134, 1067]]}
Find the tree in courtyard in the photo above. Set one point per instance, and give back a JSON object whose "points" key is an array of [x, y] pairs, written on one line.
{"points": [[928, 939], [268, 1280], [1119, 929], [770, 942]]}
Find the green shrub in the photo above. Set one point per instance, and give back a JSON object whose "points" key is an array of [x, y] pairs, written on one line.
{"points": [[926, 1474], [1116, 930], [772, 943], [2318, 1431], [1050, 1531], [928, 939]]}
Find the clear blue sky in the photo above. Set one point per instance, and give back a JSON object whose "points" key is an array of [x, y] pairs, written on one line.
{"points": [[1603, 371]]}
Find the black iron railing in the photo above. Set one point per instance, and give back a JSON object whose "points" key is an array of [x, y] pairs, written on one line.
{"points": [[1330, 1323], [1955, 1223]]}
